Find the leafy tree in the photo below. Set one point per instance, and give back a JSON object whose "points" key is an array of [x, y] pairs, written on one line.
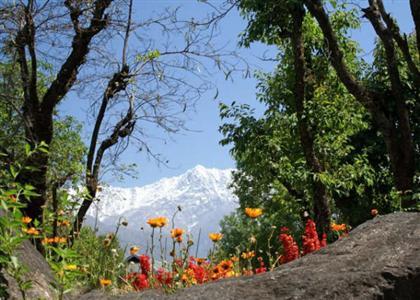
{"points": [[271, 21], [390, 107], [20, 22], [66, 151], [147, 86], [304, 140]]}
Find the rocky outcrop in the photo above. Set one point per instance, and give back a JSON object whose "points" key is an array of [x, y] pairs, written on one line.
{"points": [[37, 271], [379, 260]]}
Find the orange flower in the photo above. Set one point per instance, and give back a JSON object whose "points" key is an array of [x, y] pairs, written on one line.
{"points": [[31, 231], [374, 212], [179, 239], [57, 240], [234, 258], [157, 222], [64, 223], [188, 277], [217, 272], [176, 232], [338, 227], [26, 220], [226, 265], [105, 282], [134, 250], [230, 273], [215, 237], [253, 212], [199, 261]]}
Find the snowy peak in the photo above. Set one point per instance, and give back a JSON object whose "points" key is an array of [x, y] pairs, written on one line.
{"points": [[202, 193]]}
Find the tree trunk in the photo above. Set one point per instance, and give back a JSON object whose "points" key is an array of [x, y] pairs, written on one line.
{"points": [[38, 113], [320, 198], [41, 131], [415, 13]]}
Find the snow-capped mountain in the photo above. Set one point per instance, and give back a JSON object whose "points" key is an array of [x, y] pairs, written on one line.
{"points": [[202, 194]]}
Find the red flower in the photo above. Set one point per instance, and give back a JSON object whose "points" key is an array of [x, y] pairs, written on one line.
{"points": [[324, 240], [290, 248], [164, 277], [310, 239], [262, 268], [144, 264], [199, 271], [284, 229], [138, 281], [178, 262]]}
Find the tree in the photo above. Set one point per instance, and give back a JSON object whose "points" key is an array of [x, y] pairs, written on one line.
{"points": [[152, 83], [313, 135], [151, 80], [24, 23], [389, 108], [393, 118]]}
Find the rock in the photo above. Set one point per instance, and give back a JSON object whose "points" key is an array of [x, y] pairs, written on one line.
{"points": [[379, 260], [38, 271]]}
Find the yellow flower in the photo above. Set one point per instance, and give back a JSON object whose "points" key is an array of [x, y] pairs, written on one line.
{"points": [[253, 239], [134, 250], [230, 273], [215, 237], [157, 222], [176, 232], [253, 212], [248, 255], [70, 267], [26, 220], [105, 282]]}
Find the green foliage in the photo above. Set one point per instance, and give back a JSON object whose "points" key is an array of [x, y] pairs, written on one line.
{"points": [[67, 151], [100, 257], [270, 161], [242, 234], [12, 228], [149, 56]]}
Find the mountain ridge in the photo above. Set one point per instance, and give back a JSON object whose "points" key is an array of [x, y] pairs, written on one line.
{"points": [[202, 193]]}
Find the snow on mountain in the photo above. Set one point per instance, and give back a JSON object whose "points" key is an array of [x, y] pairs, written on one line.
{"points": [[202, 194]]}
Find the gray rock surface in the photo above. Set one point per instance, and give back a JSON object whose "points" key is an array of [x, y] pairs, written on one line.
{"points": [[38, 271], [379, 260]]}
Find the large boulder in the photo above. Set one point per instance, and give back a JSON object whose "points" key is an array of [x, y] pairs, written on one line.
{"points": [[37, 271], [380, 259]]}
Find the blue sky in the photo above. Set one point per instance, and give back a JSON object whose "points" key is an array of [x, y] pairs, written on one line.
{"points": [[200, 145]]}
